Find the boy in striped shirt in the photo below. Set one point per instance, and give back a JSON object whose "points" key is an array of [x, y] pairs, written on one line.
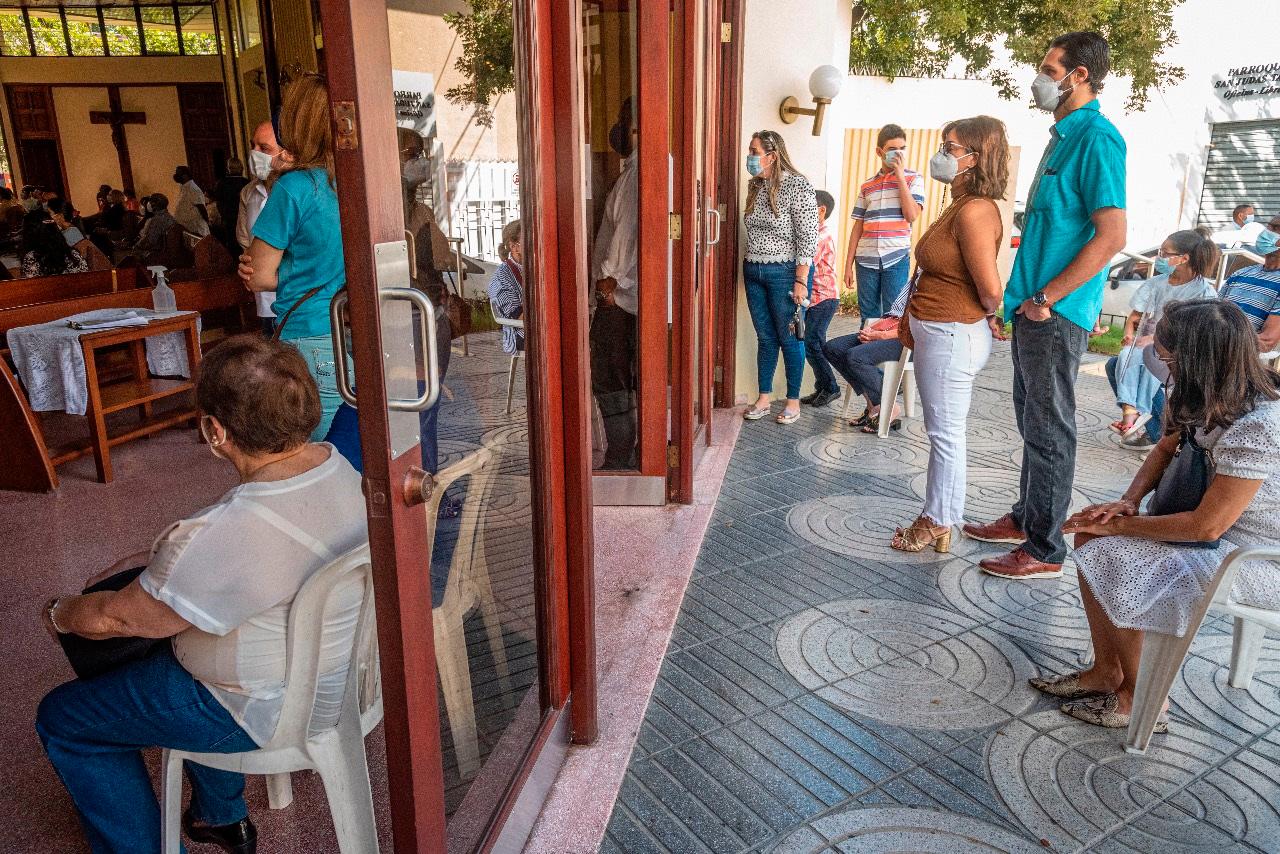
{"points": [[880, 239]]}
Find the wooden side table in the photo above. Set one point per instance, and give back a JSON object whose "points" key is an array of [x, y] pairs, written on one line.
{"points": [[139, 391]]}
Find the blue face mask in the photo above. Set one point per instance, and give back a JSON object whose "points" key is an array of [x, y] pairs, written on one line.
{"points": [[1266, 242], [1248, 219], [753, 165], [1163, 267]]}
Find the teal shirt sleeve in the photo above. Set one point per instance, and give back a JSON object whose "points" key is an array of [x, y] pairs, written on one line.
{"points": [[278, 222], [1102, 172]]}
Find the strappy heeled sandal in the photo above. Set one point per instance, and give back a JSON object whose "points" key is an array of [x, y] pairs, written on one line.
{"points": [[919, 534]]}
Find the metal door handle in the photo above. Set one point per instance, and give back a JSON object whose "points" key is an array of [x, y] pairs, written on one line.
{"points": [[412, 243], [716, 213], [427, 326], [338, 329]]}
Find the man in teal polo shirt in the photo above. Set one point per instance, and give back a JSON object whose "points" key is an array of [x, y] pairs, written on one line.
{"points": [[1075, 224]]}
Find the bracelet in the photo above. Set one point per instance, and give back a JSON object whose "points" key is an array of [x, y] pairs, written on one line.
{"points": [[53, 606]]}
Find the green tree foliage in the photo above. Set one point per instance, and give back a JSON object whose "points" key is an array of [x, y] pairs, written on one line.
{"points": [[920, 38], [488, 56]]}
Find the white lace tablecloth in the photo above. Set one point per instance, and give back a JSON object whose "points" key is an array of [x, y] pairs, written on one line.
{"points": [[50, 361]]}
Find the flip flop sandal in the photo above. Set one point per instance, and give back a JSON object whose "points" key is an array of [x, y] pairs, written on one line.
{"points": [[788, 417], [755, 414], [1138, 424]]}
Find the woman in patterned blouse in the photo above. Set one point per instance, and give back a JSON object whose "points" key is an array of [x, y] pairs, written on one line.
{"points": [[782, 237], [44, 251]]}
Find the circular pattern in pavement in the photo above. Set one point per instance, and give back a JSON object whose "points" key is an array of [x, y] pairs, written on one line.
{"points": [[1045, 611], [1069, 783], [855, 451], [890, 830], [1204, 694], [906, 664], [983, 435], [990, 493], [862, 525]]}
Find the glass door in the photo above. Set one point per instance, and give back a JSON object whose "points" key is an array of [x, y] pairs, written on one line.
{"points": [[474, 433]]}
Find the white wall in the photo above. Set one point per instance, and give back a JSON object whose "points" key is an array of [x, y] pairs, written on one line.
{"points": [[780, 49]]}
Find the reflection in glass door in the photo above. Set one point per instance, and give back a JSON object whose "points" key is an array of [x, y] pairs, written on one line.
{"points": [[459, 191]]}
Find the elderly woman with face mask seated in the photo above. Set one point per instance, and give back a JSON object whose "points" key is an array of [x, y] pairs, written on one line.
{"points": [[215, 589]]}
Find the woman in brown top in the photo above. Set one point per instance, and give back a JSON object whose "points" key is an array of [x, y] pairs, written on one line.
{"points": [[952, 314]]}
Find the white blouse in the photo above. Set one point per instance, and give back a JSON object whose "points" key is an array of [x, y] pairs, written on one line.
{"points": [[790, 236]]}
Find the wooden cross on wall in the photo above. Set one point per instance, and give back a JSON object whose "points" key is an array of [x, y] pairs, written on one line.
{"points": [[118, 118]]}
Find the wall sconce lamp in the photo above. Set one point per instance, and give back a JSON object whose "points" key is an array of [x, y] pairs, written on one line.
{"points": [[824, 85]]}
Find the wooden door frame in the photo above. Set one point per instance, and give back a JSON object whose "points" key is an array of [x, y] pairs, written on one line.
{"points": [[560, 474], [16, 139], [730, 131], [690, 422]]}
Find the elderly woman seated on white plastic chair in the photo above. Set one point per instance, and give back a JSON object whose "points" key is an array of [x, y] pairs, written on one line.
{"points": [[506, 287], [1143, 573], [188, 650]]}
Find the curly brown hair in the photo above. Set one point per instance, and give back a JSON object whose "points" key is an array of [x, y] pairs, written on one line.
{"points": [[986, 137]]}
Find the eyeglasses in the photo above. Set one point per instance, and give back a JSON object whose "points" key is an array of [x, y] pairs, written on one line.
{"points": [[947, 145], [1166, 255]]}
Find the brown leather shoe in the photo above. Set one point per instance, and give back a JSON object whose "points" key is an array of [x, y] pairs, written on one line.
{"points": [[1002, 530], [1018, 565]]}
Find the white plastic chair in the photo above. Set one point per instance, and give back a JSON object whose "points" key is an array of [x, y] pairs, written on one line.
{"points": [[900, 373], [896, 374], [514, 323], [468, 587], [1162, 654], [320, 728]]}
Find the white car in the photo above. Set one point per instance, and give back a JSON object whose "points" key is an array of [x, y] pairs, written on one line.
{"points": [[1124, 276]]}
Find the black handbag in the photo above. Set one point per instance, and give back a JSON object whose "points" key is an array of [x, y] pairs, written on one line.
{"points": [[90, 658], [1183, 484]]}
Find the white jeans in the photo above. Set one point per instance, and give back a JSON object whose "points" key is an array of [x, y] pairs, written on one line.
{"points": [[948, 357]]}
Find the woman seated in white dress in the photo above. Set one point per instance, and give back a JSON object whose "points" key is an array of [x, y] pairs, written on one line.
{"points": [[1145, 573]]}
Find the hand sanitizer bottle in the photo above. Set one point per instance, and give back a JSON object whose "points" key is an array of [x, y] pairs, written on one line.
{"points": [[162, 296]]}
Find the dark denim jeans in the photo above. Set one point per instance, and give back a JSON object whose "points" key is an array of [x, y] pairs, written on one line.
{"points": [[816, 320], [879, 288], [1154, 427], [859, 362], [94, 730], [1046, 360], [769, 300]]}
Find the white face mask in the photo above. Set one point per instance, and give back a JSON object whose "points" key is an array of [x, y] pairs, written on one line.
{"points": [[1047, 95], [415, 171], [945, 168], [260, 164]]}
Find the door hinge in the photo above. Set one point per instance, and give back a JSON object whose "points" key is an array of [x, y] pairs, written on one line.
{"points": [[346, 135], [675, 227], [726, 32], [673, 456]]}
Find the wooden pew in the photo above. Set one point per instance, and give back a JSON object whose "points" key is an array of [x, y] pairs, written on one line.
{"points": [[24, 460], [44, 289]]}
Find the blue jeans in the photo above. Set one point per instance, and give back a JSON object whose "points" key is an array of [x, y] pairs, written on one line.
{"points": [[1154, 427], [769, 300], [317, 351], [816, 320], [859, 362], [94, 730], [878, 288]]}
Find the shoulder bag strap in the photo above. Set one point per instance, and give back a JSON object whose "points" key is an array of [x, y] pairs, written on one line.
{"points": [[275, 336]]}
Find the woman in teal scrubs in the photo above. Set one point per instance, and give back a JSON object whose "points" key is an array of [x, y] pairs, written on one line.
{"points": [[297, 246]]}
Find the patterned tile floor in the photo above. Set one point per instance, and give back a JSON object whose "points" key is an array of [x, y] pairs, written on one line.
{"points": [[824, 693]]}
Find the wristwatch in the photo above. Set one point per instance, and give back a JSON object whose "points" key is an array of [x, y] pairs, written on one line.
{"points": [[1040, 298]]}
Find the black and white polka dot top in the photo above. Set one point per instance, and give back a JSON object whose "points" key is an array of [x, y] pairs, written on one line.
{"points": [[791, 236]]}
